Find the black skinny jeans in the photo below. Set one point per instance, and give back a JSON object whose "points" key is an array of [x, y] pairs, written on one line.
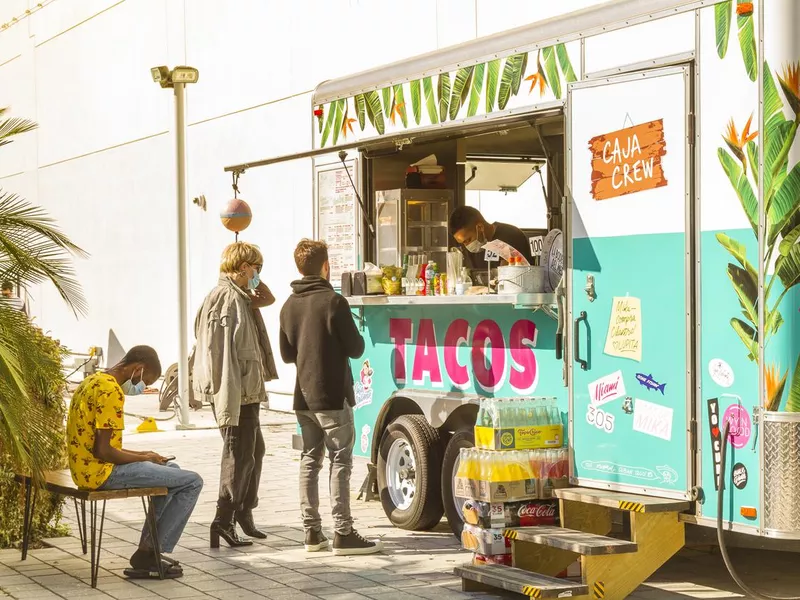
{"points": [[242, 458]]}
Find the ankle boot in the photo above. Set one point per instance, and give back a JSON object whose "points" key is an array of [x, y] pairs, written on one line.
{"points": [[245, 521], [224, 527]]}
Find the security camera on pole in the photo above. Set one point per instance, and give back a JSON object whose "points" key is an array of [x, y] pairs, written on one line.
{"points": [[177, 79]]}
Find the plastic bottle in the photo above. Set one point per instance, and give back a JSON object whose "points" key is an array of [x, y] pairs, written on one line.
{"points": [[430, 275]]}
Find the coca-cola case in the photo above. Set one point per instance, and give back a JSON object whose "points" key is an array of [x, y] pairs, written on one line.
{"points": [[510, 514]]}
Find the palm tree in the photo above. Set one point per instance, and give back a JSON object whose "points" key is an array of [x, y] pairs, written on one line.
{"points": [[32, 251]]}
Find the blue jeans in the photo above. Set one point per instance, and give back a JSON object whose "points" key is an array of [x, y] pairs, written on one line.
{"points": [[173, 510]]}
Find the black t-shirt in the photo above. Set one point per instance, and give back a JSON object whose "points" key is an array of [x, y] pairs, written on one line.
{"points": [[513, 236]]}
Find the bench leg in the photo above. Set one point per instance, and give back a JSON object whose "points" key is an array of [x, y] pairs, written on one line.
{"points": [[81, 522], [97, 538], [27, 520], [152, 524]]}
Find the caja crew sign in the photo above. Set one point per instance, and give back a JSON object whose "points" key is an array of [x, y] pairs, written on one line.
{"points": [[494, 357], [628, 160]]}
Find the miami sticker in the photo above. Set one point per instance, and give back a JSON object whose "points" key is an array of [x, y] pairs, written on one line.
{"points": [[607, 389]]}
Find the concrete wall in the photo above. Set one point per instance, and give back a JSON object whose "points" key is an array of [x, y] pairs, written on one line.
{"points": [[102, 161]]}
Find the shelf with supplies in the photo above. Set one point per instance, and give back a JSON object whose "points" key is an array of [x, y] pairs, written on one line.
{"points": [[544, 302]]}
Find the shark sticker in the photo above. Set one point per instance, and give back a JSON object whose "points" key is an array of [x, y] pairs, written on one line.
{"points": [[649, 383]]}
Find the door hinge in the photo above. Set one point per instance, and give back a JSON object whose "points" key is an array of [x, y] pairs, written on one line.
{"points": [[693, 434], [690, 128]]}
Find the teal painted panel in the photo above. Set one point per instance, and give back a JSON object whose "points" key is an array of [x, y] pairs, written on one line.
{"points": [[736, 383], [490, 351], [630, 420]]}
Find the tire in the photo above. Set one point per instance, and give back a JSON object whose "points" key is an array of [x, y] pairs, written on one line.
{"points": [[464, 438], [413, 501]]}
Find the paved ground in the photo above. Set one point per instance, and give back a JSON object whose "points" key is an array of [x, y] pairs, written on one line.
{"points": [[415, 565]]}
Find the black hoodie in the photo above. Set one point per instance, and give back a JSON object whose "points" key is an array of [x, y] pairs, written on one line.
{"points": [[319, 335]]}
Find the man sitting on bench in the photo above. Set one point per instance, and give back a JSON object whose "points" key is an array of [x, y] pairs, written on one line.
{"points": [[97, 460]]}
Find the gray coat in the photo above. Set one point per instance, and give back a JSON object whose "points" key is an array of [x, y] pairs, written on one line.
{"points": [[229, 368]]}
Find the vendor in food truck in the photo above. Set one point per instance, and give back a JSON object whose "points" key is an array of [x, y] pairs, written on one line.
{"points": [[471, 230]]}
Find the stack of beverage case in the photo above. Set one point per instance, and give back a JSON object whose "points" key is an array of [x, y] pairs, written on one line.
{"points": [[509, 478]]}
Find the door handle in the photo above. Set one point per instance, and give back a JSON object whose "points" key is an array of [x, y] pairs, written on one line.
{"points": [[576, 341]]}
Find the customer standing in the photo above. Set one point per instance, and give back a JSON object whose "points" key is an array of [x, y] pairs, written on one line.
{"points": [[233, 359], [319, 336]]}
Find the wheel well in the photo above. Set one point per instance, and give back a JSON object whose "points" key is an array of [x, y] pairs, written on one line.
{"points": [[391, 409], [464, 417]]}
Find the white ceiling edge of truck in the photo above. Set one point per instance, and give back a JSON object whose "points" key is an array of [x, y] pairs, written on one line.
{"points": [[576, 25]]}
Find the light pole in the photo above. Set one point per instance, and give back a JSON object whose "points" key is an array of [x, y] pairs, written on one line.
{"points": [[177, 79]]}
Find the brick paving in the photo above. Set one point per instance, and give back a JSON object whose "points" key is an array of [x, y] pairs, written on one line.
{"points": [[414, 565]]}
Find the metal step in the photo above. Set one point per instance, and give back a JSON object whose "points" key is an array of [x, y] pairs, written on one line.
{"points": [[621, 501], [578, 542], [520, 581]]}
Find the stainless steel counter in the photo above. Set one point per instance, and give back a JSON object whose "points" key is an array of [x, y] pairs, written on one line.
{"points": [[517, 300]]}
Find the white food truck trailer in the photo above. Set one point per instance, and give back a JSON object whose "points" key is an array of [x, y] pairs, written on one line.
{"points": [[667, 131]]}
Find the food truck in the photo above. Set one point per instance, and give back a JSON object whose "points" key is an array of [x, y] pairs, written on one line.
{"points": [[663, 319]]}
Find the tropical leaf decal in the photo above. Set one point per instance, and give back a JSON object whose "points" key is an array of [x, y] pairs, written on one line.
{"points": [[386, 94], [326, 132], [747, 37], [788, 241], [461, 87], [361, 110], [512, 77], [374, 111], [566, 65], [443, 95], [785, 204], [742, 186], [430, 100], [722, 23], [341, 115], [748, 336], [477, 87], [746, 288], [399, 106], [551, 70], [793, 401], [492, 79], [739, 252], [416, 100]]}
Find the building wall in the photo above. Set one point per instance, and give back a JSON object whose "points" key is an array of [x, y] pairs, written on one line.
{"points": [[102, 160]]}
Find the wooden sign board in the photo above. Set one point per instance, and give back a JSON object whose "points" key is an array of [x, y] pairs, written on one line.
{"points": [[628, 161]]}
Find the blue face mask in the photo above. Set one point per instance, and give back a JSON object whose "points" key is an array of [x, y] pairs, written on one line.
{"points": [[134, 389], [254, 282]]}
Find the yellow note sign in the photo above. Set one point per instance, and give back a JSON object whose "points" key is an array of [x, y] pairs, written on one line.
{"points": [[624, 337]]}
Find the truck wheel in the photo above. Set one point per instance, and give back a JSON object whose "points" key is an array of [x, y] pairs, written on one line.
{"points": [[464, 438], [409, 471]]}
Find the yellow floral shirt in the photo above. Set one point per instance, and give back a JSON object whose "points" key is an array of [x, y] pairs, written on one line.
{"points": [[96, 404]]}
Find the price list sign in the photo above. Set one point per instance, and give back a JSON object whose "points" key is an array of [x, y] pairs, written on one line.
{"points": [[336, 218]]}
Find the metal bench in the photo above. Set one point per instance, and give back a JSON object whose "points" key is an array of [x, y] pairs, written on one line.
{"points": [[60, 482]]}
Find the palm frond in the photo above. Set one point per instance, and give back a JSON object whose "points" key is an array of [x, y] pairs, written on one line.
{"points": [[13, 126], [24, 424], [33, 250]]}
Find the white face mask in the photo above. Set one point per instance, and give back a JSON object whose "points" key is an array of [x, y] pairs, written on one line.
{"points": [[475, 245], [134, 389]]}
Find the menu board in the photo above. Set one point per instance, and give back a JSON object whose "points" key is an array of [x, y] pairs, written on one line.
{"points": [[336, 217]]}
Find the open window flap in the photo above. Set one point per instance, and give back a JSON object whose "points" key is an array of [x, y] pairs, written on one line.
{"points": [[541, 114]]}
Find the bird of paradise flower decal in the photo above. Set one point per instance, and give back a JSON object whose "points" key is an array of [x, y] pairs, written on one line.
{"points": [[448, 95], [782, 205]]}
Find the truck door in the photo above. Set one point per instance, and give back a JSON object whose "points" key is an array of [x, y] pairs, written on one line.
{"points": [[629, 258]]}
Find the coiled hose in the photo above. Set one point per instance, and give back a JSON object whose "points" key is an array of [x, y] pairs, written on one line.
{"points": [[720, 532]]}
